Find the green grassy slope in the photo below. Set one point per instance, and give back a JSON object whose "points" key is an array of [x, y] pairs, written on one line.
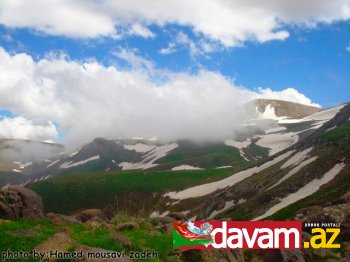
{"points": [[210, 155], [65, 194]]}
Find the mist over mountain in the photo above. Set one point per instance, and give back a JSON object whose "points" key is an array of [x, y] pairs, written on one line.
{"points": [[80, 101]]}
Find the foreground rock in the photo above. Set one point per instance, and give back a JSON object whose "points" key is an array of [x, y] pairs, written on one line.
{"points": [[88, 214], [60, 242], [62, 220], [19, 202]]}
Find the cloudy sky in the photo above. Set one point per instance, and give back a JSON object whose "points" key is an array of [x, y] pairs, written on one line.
{"points": [[74, 70]]}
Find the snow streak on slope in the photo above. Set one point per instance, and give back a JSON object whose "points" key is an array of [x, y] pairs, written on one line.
{"points": [[186, 167], [206, 189], [305, 191], [297, 158], [72, 164], [228, 204], [295, 170], [148, 160]]}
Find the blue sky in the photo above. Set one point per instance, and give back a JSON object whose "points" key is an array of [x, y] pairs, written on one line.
{"points": [[301, 46], [314, 61]]}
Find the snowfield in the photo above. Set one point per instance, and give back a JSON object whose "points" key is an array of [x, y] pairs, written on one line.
{"points": [[277, 142], [73, 164], [305, 191], [205, 189]]}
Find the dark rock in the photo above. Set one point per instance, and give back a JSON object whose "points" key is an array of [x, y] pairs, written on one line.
{"points": [[166, 220], [87, 214], [177, 215], [19, 202]]}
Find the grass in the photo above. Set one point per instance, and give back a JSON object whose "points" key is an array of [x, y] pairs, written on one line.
{"points": [[145, 237], [98, 238], [66, 194], [202, 155], [43, 229]]}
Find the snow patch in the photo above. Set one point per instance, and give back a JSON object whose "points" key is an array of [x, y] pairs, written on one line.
{"points": [[148, 160], [74, 153], [270, 113], [277, 142], [156, 214], [305, 191], [72, 164], [186, 167], [140, 148], [238, 144], [205, 189], [16, 170], [221, 167], [23, 165]]}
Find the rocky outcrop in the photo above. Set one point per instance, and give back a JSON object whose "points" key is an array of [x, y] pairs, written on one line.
{"points": [[62, 220], [19, 202], [88, 214]]}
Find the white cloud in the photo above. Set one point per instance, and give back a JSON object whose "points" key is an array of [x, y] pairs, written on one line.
{"points": [[90, 100], [171, 48], [288, 94], [348, 48], [21, 128], [140, 30], [195, 48], [132, 58], [230, 22]]}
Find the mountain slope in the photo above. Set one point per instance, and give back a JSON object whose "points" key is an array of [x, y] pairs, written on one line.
{"points": [[318, 163], [316, 167]]}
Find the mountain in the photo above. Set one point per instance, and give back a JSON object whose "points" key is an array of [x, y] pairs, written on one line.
{"points": [[275, 168], [275, 126], [20, 158], [306, 154]]}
